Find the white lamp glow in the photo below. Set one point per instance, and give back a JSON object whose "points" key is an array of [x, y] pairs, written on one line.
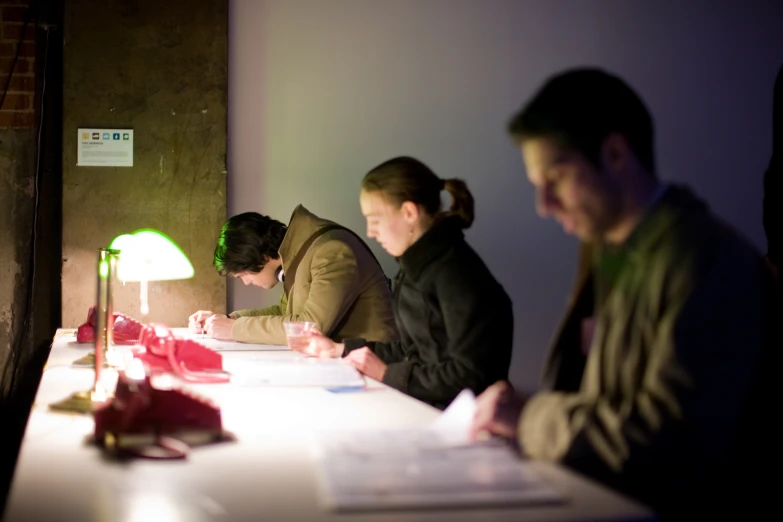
{"points": [[134, 369], [150, 255]]}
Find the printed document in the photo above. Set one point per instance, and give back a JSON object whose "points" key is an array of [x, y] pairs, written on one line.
{"points": [[436, 466]]}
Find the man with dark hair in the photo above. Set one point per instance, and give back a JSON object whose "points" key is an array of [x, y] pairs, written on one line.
{"points": [[330, 278], [668, 407]]}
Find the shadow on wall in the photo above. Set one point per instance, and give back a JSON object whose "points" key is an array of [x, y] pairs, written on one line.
{"points": [[773, 183]]}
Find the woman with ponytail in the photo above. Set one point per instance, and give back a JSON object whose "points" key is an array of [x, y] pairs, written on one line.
{"points": [[455, 320]]}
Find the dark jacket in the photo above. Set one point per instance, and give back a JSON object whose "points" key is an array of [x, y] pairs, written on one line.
{"points": [[675, 405], [455, 320], [565, 362]]}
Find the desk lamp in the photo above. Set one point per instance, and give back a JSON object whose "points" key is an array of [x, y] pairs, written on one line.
{"points": [[146, 255], [150, 255]]}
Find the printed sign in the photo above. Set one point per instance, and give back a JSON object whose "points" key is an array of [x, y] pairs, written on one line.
{"points": [[104, 148]]}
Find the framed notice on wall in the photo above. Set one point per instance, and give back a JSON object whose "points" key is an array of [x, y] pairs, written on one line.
{"points": [[104, 148]]}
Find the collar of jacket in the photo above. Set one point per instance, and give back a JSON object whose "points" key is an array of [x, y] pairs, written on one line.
{"points": [[677, 203], [301, 226], [432, 244]]}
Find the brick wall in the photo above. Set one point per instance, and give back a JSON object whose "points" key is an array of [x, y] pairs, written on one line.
{"points": [[17, 109]]}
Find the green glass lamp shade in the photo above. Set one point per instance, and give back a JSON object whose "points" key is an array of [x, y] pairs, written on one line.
{"points": [[150, 255]]}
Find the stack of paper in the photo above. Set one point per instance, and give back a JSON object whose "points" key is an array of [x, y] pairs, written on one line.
{"points": [[436, 466]]}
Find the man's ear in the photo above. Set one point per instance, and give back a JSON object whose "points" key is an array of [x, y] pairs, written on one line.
{"points": [[264, 261], [616, 153], [410, 211]]}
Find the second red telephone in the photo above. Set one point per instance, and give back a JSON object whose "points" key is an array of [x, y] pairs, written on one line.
{"points": [[192, 362]]}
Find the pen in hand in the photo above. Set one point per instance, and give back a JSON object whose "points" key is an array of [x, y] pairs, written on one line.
{"points": [[199, 328]]}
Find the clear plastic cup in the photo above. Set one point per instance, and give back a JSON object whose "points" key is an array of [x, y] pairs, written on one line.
{"points": [[298, 334]]}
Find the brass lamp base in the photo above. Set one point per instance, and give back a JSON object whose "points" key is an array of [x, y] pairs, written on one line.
{"points": [[88, 361], [78, 402]]}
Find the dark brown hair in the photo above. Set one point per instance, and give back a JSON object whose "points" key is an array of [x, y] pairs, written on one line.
{"points": [[404, 179], [580, 108], [247, 242]]}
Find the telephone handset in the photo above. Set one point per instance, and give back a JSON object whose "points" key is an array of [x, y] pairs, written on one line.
{"points": [[192, 362]]}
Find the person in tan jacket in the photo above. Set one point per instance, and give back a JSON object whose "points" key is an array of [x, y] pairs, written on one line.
{"points": [[330, 278]]}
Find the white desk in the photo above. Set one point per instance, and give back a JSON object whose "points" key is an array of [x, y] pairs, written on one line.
{"points": [[269, 473]]}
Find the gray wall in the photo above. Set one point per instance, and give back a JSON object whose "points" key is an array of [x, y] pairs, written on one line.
{"points": [[17, 176], [320, 92], [159, 68]]}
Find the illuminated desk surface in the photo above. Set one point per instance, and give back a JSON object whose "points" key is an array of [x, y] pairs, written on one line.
{"points": [[269, 473]]}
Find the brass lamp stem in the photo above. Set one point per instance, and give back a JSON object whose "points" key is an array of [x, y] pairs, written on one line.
{"points": [[107, 264], [85, 401]]}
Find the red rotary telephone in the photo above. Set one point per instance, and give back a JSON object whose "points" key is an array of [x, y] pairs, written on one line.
{"points": [[186, 358], [125, 329], [142, 420]]}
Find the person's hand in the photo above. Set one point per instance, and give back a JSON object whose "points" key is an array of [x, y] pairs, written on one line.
{"points": [[219, 327], [322, 346], [197, 320], [497, 412], [364, 360]]}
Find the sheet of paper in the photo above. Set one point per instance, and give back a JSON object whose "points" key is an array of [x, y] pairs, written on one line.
{"points": [[228, 346], [450, 429], [453, 425], [325, 373], [467, 476], [435, 466]]}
